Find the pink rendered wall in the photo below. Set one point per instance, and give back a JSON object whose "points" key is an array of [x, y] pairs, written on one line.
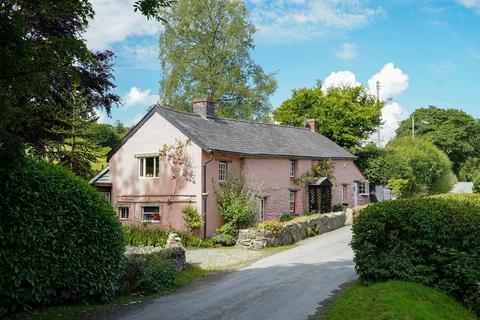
{"points": [[132, 191], [345, 173], [272, 177]]}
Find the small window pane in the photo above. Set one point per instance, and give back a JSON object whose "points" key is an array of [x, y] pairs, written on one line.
{"points": [[142, 167], [157, 167], [262, 209], [149, 163], [151, 213], [124, 213], [222, 172], [292, 168], [292, 201]]}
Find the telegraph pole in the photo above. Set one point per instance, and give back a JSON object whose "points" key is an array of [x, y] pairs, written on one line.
{"points": [[378, 104]]}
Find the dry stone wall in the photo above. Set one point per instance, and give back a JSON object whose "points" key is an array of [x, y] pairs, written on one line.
{"points": [[291, 232]]}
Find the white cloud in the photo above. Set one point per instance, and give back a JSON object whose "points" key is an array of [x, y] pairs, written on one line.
{"points": [[392, 115], [102, 117], [347, 51], [340, 79], [471, 4], [139, 56], [115, 21], [293, 19], [138, 97], [393, 82]]}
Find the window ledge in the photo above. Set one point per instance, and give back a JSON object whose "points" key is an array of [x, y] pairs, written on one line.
{"points": [[151, 221]]}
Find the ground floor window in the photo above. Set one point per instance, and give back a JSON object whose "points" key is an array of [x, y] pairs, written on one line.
{"points": [[123, 211], [293, 201], [262, 208], [151, 213], [344, 193], [107, 195], [363, 188]]}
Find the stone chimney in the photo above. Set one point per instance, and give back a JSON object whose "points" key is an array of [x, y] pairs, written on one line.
{"points": [[204, 107], [311, 124]]}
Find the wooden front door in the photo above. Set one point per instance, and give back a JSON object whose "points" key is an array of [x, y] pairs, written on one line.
{"points": [[320, 199]]}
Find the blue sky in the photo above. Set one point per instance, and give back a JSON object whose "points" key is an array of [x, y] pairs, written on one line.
{"points": [[422, 52]]}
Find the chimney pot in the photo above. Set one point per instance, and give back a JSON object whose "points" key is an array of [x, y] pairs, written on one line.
{"points": [[311, 124], [204, 107]]}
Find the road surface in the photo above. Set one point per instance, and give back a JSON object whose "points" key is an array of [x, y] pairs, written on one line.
{"points": [[288, 285], [462, 187]]}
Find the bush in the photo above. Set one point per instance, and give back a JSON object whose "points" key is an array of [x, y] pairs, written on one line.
{"points": [[224, 239], [60, 240], [271, 225], [139, 235], [158, 276], [286, 217], [476, 184], [338, 207], [432, 241], [192, 218]]}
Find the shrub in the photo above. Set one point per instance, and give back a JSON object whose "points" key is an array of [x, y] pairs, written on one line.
{"points": [[476, 184], [238, 204], [271, 225], [224, 239], [60, 240], [139, 235], [338, 207], [433, 241], [192, 218], [286, 217], [158, 276]]}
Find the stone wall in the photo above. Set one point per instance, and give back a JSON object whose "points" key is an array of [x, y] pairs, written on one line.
{"points": [[173, 252], [291, 232]]}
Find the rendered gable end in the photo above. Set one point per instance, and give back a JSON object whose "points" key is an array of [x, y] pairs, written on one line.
{"points": [[132, 191]]}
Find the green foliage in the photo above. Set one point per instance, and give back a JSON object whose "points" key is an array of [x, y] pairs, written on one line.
{"points": [[205, 51], [453, 131], [432, 241], [321, 168], [192, 218], [237, 202], [152, 8], [150, 235], [158, 276], [104, 134], [286, 217], [469, 169], [396, 300], [476, 184], [271, 225], [338, 207], [409, 167], [43, 54], [224, 239], [60, 240], [346, 116]]}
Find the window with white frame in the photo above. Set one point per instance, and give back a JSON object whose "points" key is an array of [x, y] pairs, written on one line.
{"points": [[262, 208], [151, 213], [149, 167], [344, 193], [222, 171], [123, 212], [293, 201], [293, 165], [363, 188]]}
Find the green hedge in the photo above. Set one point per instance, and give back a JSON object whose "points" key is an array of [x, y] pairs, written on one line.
{"points": [[60, 240], [433, 241]]}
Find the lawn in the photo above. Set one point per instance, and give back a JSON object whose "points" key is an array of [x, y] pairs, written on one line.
{"points": [[78, 312], [396, 300]]}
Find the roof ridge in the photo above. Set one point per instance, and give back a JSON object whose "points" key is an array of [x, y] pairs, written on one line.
{"points": [[229, 119]]}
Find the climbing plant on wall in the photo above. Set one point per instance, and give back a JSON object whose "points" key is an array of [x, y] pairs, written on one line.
{"points": [[176, 158]]}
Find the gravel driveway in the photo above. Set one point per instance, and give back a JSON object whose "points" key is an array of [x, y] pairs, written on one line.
{"points": [[222, 258]]}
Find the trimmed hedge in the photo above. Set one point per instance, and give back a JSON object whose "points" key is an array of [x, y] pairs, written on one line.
{"points": [[151, 235], [60, 240], [433, 241]]}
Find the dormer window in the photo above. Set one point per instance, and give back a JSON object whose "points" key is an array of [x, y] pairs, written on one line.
{"points": [[148, 167], [293, 168]]}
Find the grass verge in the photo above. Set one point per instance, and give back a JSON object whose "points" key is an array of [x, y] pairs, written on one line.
{"points": [[396, 300], [85, 311]]}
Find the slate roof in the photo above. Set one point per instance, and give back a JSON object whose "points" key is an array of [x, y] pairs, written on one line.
{"points": [[102, 178], [246, 138]]}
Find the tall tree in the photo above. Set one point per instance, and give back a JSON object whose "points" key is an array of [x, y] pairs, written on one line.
{"points": [[42, 53], [77, 150], [205, 52], [452, 131], [346, 115]]}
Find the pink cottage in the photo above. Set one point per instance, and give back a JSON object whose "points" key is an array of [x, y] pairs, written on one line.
{"points": [[140, 187]]}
